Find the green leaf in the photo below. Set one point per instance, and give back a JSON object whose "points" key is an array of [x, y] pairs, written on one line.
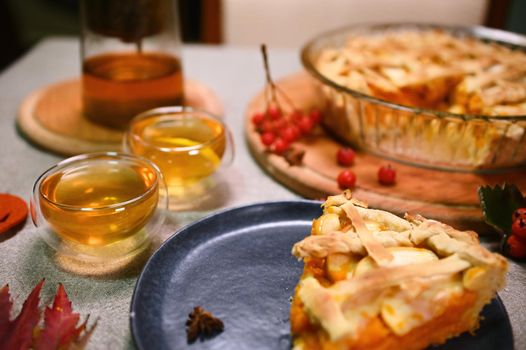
{"points": [[498, 204]]}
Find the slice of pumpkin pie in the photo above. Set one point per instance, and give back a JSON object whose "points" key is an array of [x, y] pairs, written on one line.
{"points": [[373, 280]]}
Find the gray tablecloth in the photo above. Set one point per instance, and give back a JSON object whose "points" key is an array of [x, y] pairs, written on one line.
{"points": [[236, 75]]}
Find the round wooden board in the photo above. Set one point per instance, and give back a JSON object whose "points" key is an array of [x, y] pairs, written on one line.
{"points": [[447, 196], [52, 118]]}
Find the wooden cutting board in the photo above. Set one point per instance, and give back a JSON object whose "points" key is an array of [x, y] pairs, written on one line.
{"points": [[447, 196], [52, 118]]}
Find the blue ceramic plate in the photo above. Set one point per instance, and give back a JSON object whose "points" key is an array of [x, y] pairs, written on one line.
{"points": [[237, 264]]}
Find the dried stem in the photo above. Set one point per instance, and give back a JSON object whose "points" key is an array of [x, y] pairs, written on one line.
{"points": [[271, 88], [285, 97], [270, 83]]}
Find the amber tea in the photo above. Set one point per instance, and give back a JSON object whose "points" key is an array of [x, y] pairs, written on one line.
{"points": [[99, 202], [118, 86], [187, 147]]}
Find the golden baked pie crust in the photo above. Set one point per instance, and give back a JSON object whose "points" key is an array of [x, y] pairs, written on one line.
{"points": [[431, 69]]}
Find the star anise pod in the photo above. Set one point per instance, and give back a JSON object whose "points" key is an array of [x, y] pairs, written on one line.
{"points": [[202, 324]]}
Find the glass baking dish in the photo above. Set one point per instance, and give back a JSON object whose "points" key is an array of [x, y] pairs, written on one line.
{"points": [[418, 136]]}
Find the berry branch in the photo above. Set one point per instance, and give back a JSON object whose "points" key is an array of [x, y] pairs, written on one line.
{"points": [[271, 87], [279, 128]]}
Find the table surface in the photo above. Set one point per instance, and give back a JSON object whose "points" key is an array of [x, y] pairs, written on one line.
{"points": [[236, 75]]}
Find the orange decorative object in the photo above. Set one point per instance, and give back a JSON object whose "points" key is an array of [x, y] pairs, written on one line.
{"points": [[13, 211]]}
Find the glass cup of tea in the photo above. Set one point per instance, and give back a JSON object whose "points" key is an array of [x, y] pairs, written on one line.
{"points": [[188, 145], [100, 206], [131, 59]]}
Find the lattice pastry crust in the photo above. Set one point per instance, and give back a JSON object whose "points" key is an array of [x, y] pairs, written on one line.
{"points": [[431, 69]]}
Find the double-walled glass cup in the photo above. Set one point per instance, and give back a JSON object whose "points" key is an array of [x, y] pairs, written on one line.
{"points": [[99, 206], [188, 145], [131, 58]]}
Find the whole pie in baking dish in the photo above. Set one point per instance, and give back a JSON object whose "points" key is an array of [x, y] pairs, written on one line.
{"points": [[431, 69], [450, 97], [373, 280]]}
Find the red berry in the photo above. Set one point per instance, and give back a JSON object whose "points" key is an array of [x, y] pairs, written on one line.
{"points": [[516, 248], [296, 116], [267, 138], [280, 146], [274, 112], [305, 124], [290, 134], [346, 179], [280, 124], [345, 156], [315, 116], [267, 126], [386, 175], [258, 118], [518, 228], [296, 130]]}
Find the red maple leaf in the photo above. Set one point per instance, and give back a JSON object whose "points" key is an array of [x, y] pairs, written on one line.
{"points": [[60, 329], [18, 334], [60, 323], [5, 309]]}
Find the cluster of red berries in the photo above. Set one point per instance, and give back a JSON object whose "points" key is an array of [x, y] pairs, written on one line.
{"points": [[517, 240], [279, 130], [347, 178]]}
